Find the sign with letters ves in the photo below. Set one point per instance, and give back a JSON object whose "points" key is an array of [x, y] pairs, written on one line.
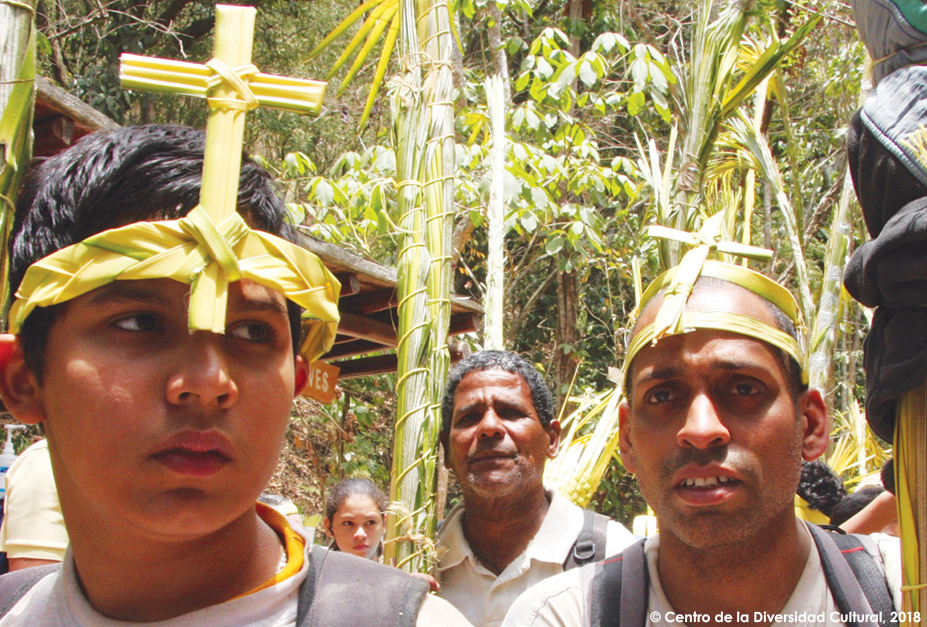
{"points": [[322, 380]]}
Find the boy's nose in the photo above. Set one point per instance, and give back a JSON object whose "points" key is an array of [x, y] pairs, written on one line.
{"points": [[202, 376]]}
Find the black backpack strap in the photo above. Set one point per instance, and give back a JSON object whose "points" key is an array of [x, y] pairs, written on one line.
{"points": [[389, 596], [853, 575], [618, 592], [590, 544], [861, 553], [14, 585]]}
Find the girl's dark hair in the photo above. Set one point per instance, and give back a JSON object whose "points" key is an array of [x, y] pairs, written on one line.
{"points": [[355, 486]]}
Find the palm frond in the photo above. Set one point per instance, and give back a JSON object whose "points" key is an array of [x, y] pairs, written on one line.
{"points": [[585, 455], [757, 148], [385, 15]]}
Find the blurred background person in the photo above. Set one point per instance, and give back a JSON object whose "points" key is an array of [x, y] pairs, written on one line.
{"points": [[355, 518]]}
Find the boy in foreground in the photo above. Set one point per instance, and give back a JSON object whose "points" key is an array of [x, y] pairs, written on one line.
{"points": [[162, 437]]}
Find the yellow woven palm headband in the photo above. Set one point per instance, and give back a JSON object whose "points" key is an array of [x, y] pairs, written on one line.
{"points": [[194, 251], [673, 319]]}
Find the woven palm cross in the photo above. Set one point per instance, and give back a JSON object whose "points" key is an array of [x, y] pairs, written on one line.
{"points": [[703, 242], [211, 246]]}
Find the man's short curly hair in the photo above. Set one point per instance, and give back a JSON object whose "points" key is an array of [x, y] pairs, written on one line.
{"points": [[541, 397]]}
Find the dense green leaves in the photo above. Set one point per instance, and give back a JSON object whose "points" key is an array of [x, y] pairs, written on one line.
{"points": [[615, 121]]}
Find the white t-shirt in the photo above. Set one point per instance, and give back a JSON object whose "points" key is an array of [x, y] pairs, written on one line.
{"points": [[560, 601], [33, 526], [484, 597], [57, 601]]}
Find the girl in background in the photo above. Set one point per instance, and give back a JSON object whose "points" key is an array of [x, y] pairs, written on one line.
{"points": [[355, 518]]}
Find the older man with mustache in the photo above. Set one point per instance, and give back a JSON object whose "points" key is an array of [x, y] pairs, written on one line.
{"points": [[509, 532], [717, 419]]}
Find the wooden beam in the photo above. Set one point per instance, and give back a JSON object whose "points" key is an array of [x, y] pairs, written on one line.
{"points": [[370, 302], [349, 284], [358, 335], [61, 101], [339, 260], [353, 348], [367, 329], [463, 323], [366, 366], [382, 364]]}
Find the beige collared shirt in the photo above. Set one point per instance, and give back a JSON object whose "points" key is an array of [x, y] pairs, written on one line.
{"points": [[484, 598]]}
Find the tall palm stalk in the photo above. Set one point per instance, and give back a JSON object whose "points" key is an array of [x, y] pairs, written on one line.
{"points": [[423, 139], [708, 98], [423, 135], [17, 95]]}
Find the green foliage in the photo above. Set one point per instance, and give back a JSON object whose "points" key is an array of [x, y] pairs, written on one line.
{"points": [[615, 121]]}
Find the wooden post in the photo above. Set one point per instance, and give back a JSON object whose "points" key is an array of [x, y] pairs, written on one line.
{"points": [[17, 97]]}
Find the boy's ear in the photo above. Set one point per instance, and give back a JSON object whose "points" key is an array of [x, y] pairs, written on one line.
{"points": [[18, 386], [301, 375]]}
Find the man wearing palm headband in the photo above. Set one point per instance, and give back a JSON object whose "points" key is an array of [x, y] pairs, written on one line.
{"points": [[717, 420]]}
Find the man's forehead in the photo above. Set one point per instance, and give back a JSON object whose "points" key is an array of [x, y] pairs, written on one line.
{"points": [[712, 295], [478, 380], [710, 350], [715, 296]]}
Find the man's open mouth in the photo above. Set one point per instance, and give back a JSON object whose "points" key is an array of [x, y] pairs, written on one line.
{"points": [[702, 482]]}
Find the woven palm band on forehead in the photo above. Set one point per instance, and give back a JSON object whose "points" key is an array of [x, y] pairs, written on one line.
{"points": [[194, 251], [684, 321]]}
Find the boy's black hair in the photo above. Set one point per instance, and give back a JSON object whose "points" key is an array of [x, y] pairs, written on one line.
{"points": [[854, 504], [820, 486], [541, 397], [115, 178]]}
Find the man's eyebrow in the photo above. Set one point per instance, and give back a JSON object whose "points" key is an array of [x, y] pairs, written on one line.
{"points": [[660, 373], [497, 403], [119, 291]]}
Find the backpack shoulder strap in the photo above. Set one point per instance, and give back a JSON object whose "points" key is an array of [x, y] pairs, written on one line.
{"points": [[590, 544], [14, 585], [861, 553], [390, 596], [855, 579], [618, 592]]}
